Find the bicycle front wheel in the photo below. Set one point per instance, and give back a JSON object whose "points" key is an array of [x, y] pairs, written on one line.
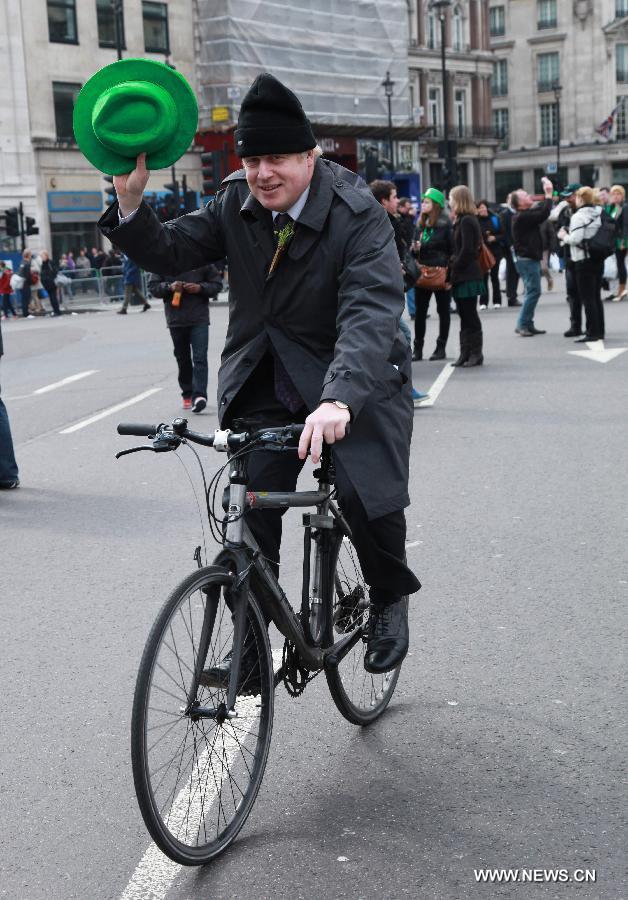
{"points": [[196, 780], [360, 696]]}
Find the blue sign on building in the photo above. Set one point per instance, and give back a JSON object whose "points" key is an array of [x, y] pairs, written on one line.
{"points": [[75, 201]]}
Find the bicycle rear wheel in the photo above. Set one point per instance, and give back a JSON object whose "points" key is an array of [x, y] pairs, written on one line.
{"points": [[360, 696], [196, 781]]}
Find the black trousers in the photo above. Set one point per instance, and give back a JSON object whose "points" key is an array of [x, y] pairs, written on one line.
{"points": [[379, 543], [573, 297], [494, 276], [512, 278], [620, 257], [422, 301], [589, 285]]}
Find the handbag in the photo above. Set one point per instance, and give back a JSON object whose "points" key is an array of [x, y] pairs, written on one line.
{"points": [[410, 271], [485, 258], [432, 278], [17, 282]]}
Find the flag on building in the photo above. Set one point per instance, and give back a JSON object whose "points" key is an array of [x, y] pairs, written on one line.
{"points": [[606, 127]]}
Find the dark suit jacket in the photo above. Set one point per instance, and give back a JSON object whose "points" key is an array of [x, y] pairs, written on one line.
{"points": [[330, 311]]}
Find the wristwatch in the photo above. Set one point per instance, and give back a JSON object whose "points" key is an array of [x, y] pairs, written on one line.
{"points": [[338, 403]]}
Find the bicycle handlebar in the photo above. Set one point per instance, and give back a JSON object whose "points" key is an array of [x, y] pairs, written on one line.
{"points": [[275, 435]]}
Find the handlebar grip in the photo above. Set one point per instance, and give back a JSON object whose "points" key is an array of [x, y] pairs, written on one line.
{"points": [[137, 430]]}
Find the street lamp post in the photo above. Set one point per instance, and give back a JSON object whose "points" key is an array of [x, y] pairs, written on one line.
{"points": [[116, 5], [557, 94], [388, 86], [441, 7]]}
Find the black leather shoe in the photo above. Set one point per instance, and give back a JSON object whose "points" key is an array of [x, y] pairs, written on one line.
{"points": [[524, 332], [387, 636], [250, 681], [537, 330], [572, 332]]}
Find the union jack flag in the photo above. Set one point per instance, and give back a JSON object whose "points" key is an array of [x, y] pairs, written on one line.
{"points": [[606, 127]]}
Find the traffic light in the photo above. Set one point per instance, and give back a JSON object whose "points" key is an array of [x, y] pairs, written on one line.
{"points": [[210, 170], [12, 217], [110, 191], [31, 228], [173, 187], [190, 201]]}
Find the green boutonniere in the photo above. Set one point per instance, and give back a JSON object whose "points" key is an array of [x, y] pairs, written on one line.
{"points": [[283, 239]]}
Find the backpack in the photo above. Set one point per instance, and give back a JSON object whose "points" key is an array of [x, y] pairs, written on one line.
{"points": [[603, 242]]}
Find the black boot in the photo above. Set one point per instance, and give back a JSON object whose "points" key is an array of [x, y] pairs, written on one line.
{"points": [[417, 351], [250, 679], [439, 353], [476, 357], [387, 639], [465, 349]]}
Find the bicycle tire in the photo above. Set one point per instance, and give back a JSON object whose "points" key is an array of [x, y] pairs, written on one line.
{"points": [[360, 696], [195, 802]]}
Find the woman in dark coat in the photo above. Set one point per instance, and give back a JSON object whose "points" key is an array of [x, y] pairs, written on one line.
{"points": [[433, 248], [466, 275], [48, 273]]}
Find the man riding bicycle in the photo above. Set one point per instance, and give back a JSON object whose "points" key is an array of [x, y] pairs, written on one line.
{"points": [[316, 295]]}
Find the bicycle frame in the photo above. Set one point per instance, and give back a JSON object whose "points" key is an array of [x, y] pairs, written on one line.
{"points": [[243, 558]]}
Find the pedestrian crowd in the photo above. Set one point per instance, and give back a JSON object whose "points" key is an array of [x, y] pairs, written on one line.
{"points": [[39, 280], [460, 251]]}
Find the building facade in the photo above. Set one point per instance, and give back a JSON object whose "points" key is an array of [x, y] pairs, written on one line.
{"points": [[560, 70], [47, 51], [469, 62]]}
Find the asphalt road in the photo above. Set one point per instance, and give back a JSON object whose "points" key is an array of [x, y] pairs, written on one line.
{"points": [[505, 743]]}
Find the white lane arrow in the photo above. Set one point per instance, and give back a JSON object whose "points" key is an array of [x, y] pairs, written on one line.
{"points": [[598, 352]]}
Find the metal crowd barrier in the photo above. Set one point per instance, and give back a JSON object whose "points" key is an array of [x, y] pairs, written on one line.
{"points": [[98, 286]]}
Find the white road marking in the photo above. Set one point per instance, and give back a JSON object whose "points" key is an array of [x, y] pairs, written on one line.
{"points": [[598, 352], [108, 412], [155, 873], [438, 385], [413, 544], [68, 380]]}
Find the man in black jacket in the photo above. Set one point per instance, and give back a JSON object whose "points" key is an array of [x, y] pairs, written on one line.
{"points": [[528, 245], [316, 294], [512, 276], [186, 304]]}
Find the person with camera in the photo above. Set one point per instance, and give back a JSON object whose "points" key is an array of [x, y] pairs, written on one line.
{"points": [[528, 247]]}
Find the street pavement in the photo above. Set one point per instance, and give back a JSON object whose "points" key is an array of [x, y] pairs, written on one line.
{"points": [[504, 745]]}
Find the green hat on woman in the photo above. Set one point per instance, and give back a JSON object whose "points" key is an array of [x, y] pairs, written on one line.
{"points": [[134, 106], [435, 196]]}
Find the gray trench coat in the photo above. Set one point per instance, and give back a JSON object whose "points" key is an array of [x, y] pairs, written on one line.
{"points": [[330, 311]]}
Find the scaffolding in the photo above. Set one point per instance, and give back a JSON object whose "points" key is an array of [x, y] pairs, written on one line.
{"points": [[333, 55]]}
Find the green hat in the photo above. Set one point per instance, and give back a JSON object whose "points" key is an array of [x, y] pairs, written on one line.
{"points": [[570, 189], [134, 106], [435, 196]]}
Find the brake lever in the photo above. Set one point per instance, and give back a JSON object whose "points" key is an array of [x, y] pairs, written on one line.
{"points": [[132, 450]]}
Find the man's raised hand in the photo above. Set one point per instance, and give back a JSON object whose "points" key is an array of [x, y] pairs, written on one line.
{"points": [[130, 188]]}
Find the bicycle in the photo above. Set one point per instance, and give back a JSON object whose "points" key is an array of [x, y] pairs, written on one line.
{"points": [[199, 739]]}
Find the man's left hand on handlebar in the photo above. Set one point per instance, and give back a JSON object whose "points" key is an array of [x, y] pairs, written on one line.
{"points": [[327, 424]]}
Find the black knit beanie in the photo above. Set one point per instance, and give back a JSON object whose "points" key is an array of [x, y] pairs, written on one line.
{"points": [[272, 120]]}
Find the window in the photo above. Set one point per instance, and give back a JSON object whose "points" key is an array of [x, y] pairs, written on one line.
{"points": [[549, 124], [499, 83], [497, 21], [620, 173], [621, 9], [107, 24], [457, 29], [621, 63], [547, 16], [501, 126], [548, 71], [155, 17], [460, 111], [64, 96], [558, 179], [433, 31], [621, 121], [433, 106], [62, 21], [506, 183]]}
